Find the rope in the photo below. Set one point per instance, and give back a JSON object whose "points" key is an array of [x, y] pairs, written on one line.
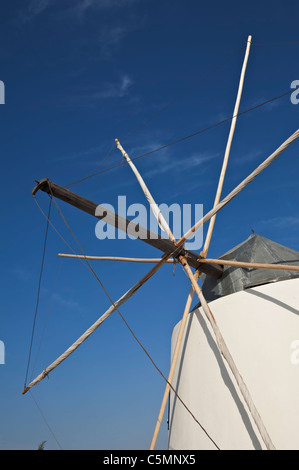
{"points": [[183, 138], [38, 292], [47, 317], [45, 420]]}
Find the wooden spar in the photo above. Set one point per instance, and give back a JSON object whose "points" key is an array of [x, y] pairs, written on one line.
{"points": [[173, 364], [243, 264], [115, 258], [158, 214], [238, 188], [227, 356], [219, 340], [90, 330], [154, 207], [227, 150], [111, 218]]}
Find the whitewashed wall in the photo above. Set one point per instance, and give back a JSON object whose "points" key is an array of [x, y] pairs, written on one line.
{"points": [[261, 329]]}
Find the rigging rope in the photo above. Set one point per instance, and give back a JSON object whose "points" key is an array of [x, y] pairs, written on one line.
{"points": [[45, 420], [38, 292], [182, 138], [46, 320]]}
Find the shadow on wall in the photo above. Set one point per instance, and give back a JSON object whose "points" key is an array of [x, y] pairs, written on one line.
{"points": [[197, 316]]}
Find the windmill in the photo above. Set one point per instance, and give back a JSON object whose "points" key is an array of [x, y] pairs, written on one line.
{"points": [[175, 251]]}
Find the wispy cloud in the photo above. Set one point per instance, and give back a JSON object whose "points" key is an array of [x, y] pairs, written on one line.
{"points": [[115, 90], [181, 165], [109, 90], [284, 221], [111, 36], [74, 7], [112, 25], [21, 274], [82, 155], [240, 158], [34, 8], [82, 6], [67, 303], [268, 106]]}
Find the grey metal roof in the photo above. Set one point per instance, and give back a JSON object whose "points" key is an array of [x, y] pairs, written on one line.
{"points": [[256, 249]]}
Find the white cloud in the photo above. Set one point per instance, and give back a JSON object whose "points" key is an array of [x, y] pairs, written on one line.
{"points": [[34, 8], [77, 7], [284, 221], [67, 303], [114, 90], [21, 274], [81, 6], [240, 158], [110, 37], [181, 165], [109, 90]]}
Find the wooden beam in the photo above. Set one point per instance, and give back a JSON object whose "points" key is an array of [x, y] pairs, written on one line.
{"points": [[112, 218], [227, 150], [173, 364], [243, 264], [115, 258]]}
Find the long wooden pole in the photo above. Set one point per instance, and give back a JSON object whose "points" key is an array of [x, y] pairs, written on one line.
{"points": [[158, 214], [219, 340], [115, 258], [238, 188], [243, 264], [173, 364], [227, 150]]}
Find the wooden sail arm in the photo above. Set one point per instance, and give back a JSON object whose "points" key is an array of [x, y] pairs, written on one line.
{"points": [[244, 264], [114, 219]]}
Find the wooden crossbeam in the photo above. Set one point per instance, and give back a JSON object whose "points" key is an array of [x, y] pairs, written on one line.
{"points": [[243, 264], [115, 258], [227, 150]]}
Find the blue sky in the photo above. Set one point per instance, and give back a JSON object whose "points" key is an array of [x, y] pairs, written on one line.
{"points": [[77, 75]]}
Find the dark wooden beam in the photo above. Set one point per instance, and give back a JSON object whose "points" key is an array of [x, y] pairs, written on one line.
{"points": [[112, 218]]}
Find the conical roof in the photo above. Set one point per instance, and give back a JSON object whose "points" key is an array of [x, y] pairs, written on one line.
{"points": [[256, 249]]}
